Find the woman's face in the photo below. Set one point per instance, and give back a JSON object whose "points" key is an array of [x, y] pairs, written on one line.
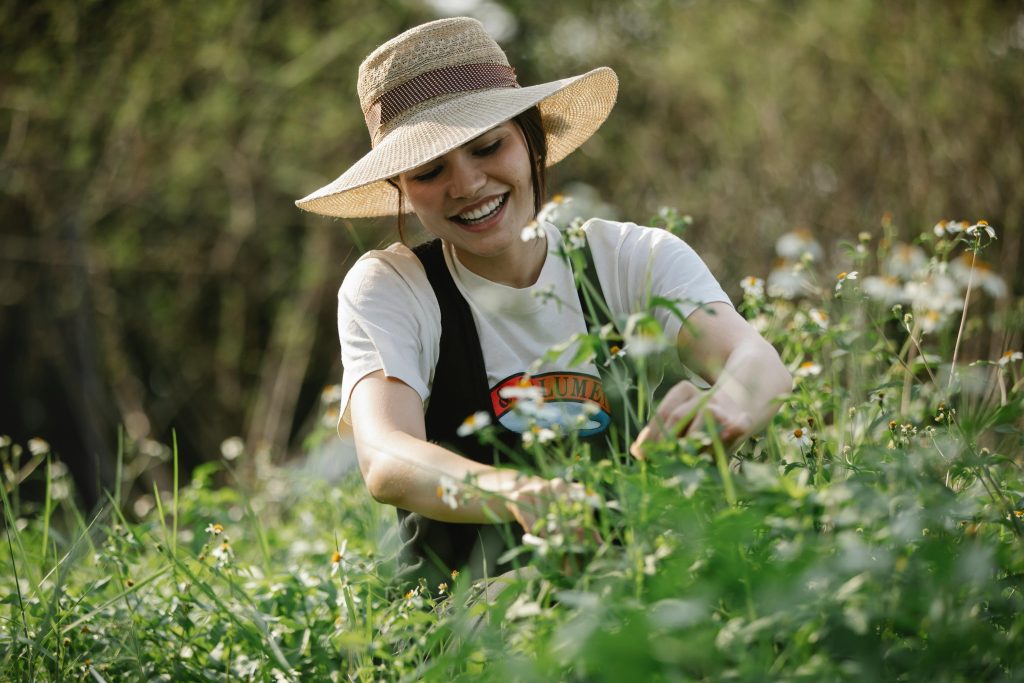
{"points": [[478, 196]]}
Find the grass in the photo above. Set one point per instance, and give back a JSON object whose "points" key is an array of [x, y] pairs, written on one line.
{"points": [[872, 532]]}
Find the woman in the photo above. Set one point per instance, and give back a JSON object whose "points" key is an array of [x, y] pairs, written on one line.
{"points": [[456, 327]]}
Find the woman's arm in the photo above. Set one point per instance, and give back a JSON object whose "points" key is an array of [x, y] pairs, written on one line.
{"points": [[401, 468], [746, 373]]}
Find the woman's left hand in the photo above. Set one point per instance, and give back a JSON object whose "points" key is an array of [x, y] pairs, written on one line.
{"points": [[684, 411]]}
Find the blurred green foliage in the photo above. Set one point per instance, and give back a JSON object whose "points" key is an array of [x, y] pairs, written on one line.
{"points": [[155, 273]]}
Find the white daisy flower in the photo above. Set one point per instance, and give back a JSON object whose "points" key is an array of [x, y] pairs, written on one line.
{"points": [[223, 554], [448, 492], [906, 261], [843, 277], [887, 289], [474, 423], [818, 317], [337, 556], [531, 232], [331, 394], [938, 292], [538, 434], [798, 243], [808, 369], [931, 320], [644, 336], [753, 287], [979, 227], [969, 268], [613, 353], [577, 236], [534, 541], [37, 446], [789, 280], [232, 447], [1010, 357], [524, 390], [552, 211], [801, 437]]}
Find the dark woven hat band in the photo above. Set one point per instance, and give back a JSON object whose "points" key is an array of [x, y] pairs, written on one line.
{"points": [[430, 84]]}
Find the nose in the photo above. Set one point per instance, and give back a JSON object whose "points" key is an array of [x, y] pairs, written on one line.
{"points": [[467, 179]]}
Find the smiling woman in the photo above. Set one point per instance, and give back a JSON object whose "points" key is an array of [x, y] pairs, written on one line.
{"points": [[454, 336]]}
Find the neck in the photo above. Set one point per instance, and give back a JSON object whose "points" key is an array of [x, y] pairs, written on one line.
{"points": [[519, 266]]}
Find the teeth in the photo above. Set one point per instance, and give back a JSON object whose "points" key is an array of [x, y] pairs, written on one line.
{"points": [[482, 211]]}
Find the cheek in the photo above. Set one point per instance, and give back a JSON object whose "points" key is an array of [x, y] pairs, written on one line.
{"points": [[418, 197]]}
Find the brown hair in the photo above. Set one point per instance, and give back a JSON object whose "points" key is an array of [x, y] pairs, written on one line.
{"points": [[532, 125]]}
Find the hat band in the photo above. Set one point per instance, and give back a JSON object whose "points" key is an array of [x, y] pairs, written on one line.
{"points": [[430, 84]]}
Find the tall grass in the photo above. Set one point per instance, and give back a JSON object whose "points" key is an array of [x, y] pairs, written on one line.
{"points": [[872, 532]]}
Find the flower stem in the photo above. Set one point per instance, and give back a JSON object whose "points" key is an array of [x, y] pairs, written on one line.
{"points": [[963, 321]]}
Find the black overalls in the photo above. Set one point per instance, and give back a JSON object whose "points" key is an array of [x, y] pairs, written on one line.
{"points": [[432, 549]]}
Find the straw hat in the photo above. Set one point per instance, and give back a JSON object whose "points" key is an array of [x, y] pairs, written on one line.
{"points": [[436, 87]]}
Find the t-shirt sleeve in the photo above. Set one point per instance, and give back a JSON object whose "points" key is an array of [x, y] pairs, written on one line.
{"points": [[388, 319], [636, 262]]}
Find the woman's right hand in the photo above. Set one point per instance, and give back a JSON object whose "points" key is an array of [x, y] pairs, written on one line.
{"points": [[531, 500]]}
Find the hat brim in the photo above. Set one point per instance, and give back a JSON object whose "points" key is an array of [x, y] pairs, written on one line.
{"points": [[572, 109]]}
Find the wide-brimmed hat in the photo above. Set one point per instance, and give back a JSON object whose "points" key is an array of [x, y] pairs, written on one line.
{"points": [[436, 87]]}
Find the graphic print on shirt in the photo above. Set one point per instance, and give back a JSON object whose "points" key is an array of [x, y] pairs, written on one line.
{"points": [[571, 400]]}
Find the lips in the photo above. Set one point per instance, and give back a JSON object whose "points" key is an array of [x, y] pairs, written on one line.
{"points": [[481, 213]]}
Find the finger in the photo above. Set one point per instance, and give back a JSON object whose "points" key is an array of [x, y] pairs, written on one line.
{"points": [[681, 393], [679, 418], [636, 448], [663, 426], [729, 424]]}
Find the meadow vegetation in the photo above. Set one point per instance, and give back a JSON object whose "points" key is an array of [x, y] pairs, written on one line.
{"points": [[872, 532]]}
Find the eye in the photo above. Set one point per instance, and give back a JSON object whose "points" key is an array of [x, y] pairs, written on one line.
{"points": [[427, 175], [487, 150]]}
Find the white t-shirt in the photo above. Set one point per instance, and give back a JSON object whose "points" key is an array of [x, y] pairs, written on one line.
{"points": [[389, 319]]}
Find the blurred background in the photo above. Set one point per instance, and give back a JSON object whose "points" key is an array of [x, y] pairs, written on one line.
{"points": [[156, 277]]}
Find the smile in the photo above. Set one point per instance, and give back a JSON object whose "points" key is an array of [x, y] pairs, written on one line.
{"points": [[481, 213]]}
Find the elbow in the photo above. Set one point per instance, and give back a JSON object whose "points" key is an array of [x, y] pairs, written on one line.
{"points": [[379, 485], [778, 381], [381, 481]]}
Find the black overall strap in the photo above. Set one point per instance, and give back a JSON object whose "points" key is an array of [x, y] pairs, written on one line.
{"points": [[619, 384], [460, 386]]}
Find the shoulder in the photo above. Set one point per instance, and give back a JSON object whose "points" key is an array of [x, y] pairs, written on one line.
{"points": [[606, 232], [388, 282], [619, 241], [393, 268], [635, 261]]}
